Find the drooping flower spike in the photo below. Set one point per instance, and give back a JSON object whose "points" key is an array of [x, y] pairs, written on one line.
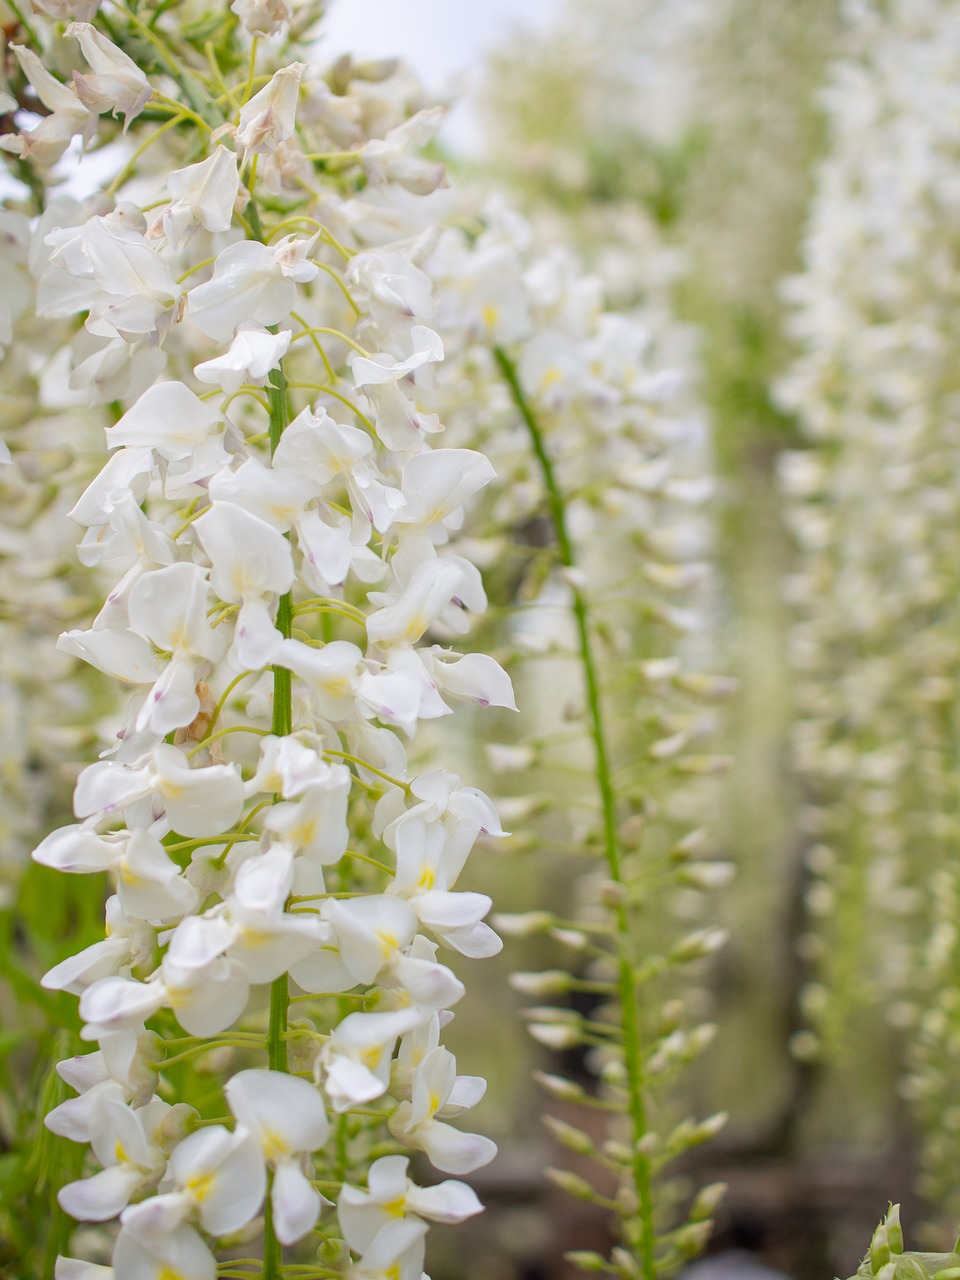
{"points": [[277, 522]]}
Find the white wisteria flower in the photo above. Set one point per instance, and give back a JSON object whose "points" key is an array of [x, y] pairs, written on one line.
{"points": [[288, 1119]]}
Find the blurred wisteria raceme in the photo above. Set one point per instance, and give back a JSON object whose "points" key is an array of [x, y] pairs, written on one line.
{"points": [[598, 534], [874, 509], [845, 837]]}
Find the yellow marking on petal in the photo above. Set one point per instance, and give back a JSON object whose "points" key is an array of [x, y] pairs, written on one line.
{"points": [[490, 315], [304, 834], [417, 624], [428, 878], [256, 937], [274, 1147], [120, 1155], [396, 1208], [130, 878], [371, 1057], [167, 1274], [200, 1186], [240, 581], [388, 943], [550, 376], [178, 638], [436, 1102]]}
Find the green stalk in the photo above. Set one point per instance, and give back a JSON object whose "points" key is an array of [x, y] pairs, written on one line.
{"points": [[626, 980], [282, 725]]}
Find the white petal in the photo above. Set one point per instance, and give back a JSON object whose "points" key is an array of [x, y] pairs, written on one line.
{"points": [[286, 1114], [157, 1217], [169, 607], [225, 1174], [466, 1093], [168, 417], [477, 941], [101, 1197], [209, 1000], [256, 641], [246, 284], [77, 849], [448, 1201], [431, 985], [391, 1242], [181, 1254], [74, 1269], [115, 1003], [250, 557], [452, 1151], [296, 1204], [199, 802], [476, 676], [120, 654], [101, 960], [173, 702]]}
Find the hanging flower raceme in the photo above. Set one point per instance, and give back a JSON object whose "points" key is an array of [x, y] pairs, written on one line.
{"points": [[872, 502], [602, 465], [277, 523]]}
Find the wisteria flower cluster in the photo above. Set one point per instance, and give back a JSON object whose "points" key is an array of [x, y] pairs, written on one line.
{"points": [[278, 521], [873, 505], [604, 471]]}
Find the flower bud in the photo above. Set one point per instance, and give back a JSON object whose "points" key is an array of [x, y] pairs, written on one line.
{"points": [[703, 766], [573, 938], [628, 1268], [690, 1239], [707, 875], [568, 1136], [548, 983], [571, 1183], [555, 1035], [559, 1087], [612, 893], [585, 1260], [628, 1202], [699, 944], [521, 924], [894, 1230], [176, 1124], [707, 1201]]}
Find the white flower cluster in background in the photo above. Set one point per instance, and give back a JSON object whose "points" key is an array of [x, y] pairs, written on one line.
{"points": [[631, 458], [598, 530], [874, 505], [47, 435], [278, 518]]}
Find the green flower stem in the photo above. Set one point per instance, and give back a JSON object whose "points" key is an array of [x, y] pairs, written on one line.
{"points": [[282, 725], [626, 979]]}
